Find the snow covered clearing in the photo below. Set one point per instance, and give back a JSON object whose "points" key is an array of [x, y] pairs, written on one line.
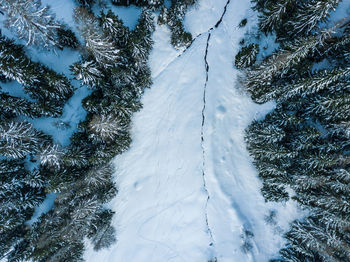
{"points": [[187, 188]]}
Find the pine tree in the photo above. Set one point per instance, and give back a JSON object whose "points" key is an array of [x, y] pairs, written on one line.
{"points": [[66, 38], [81, 174], [88, 72], [274, 13], [17, 139], [173, 17], [102, 235], [52, 157], [247, 56], [32, 22], [106, 127], [20, 192], [311, 13], [11, 107], [114, 27], [152, 4], [100, 46], [86, 3], [51, 89], [259, 80], [303, 144]]}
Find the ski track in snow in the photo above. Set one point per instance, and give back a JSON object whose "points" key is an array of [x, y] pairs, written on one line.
{"points": [[187, 186]]}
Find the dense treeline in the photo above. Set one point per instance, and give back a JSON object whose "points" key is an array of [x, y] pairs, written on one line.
{"points": [[22, 147], [303, 145], [116, 69]]}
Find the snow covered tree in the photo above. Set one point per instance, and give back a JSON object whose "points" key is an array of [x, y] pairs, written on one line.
{"points": [[11, 106], [173, 17], [303, 144], [88, 72], [293, 57], [32, 22], [100, 46], [86, 3], [66, 38], [102, 235], [311, 13], [106, 127], [247, 56], [52, 156], [20, 192], [17, 139], [114, 27], [152, 4], [51, 89], [81, 174], [273, 13]]}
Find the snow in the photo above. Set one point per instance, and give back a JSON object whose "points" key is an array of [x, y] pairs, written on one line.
{"points": [[15, 89], [73, 113], [181, 198], [343, 10], [44, 207]]}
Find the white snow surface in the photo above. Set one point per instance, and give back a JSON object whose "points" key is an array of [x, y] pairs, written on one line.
{"points": [[181, 199]]}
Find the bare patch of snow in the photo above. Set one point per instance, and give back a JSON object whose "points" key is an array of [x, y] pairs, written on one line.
{"points": [[164, 209]]}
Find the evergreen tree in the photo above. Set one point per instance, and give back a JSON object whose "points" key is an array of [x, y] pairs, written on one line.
{"points": [[102, 235], [81, 174], [99, 45], [114, 27], [51, 89], [173, 17], [247, 56], [152, 4], [17, 139], [273, 13], [88, 72], [20, 192], [106, 127], [311, 13], [303, 144], [66, 38], [11, 107], [32, 22]]}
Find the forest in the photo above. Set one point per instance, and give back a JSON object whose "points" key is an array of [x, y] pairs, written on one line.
{"points": [[300, 149]]}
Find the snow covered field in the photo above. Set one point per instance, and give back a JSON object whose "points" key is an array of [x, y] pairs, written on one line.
{"points": [[188, 191]]}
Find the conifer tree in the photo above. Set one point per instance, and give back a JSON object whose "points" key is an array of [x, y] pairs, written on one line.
{"points": [[32, 22], [99, 45], [106, 127], [273, 13], [17, 139], [247, 56], [11, 107], [20, 192], [114, 27], [311, 13], [81, 174], [51, 89], [303, 143], [173, 17], [66, 38], [152, 4]]}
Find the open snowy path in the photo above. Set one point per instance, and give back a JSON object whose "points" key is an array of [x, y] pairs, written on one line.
{"points": [[187, 188]]}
